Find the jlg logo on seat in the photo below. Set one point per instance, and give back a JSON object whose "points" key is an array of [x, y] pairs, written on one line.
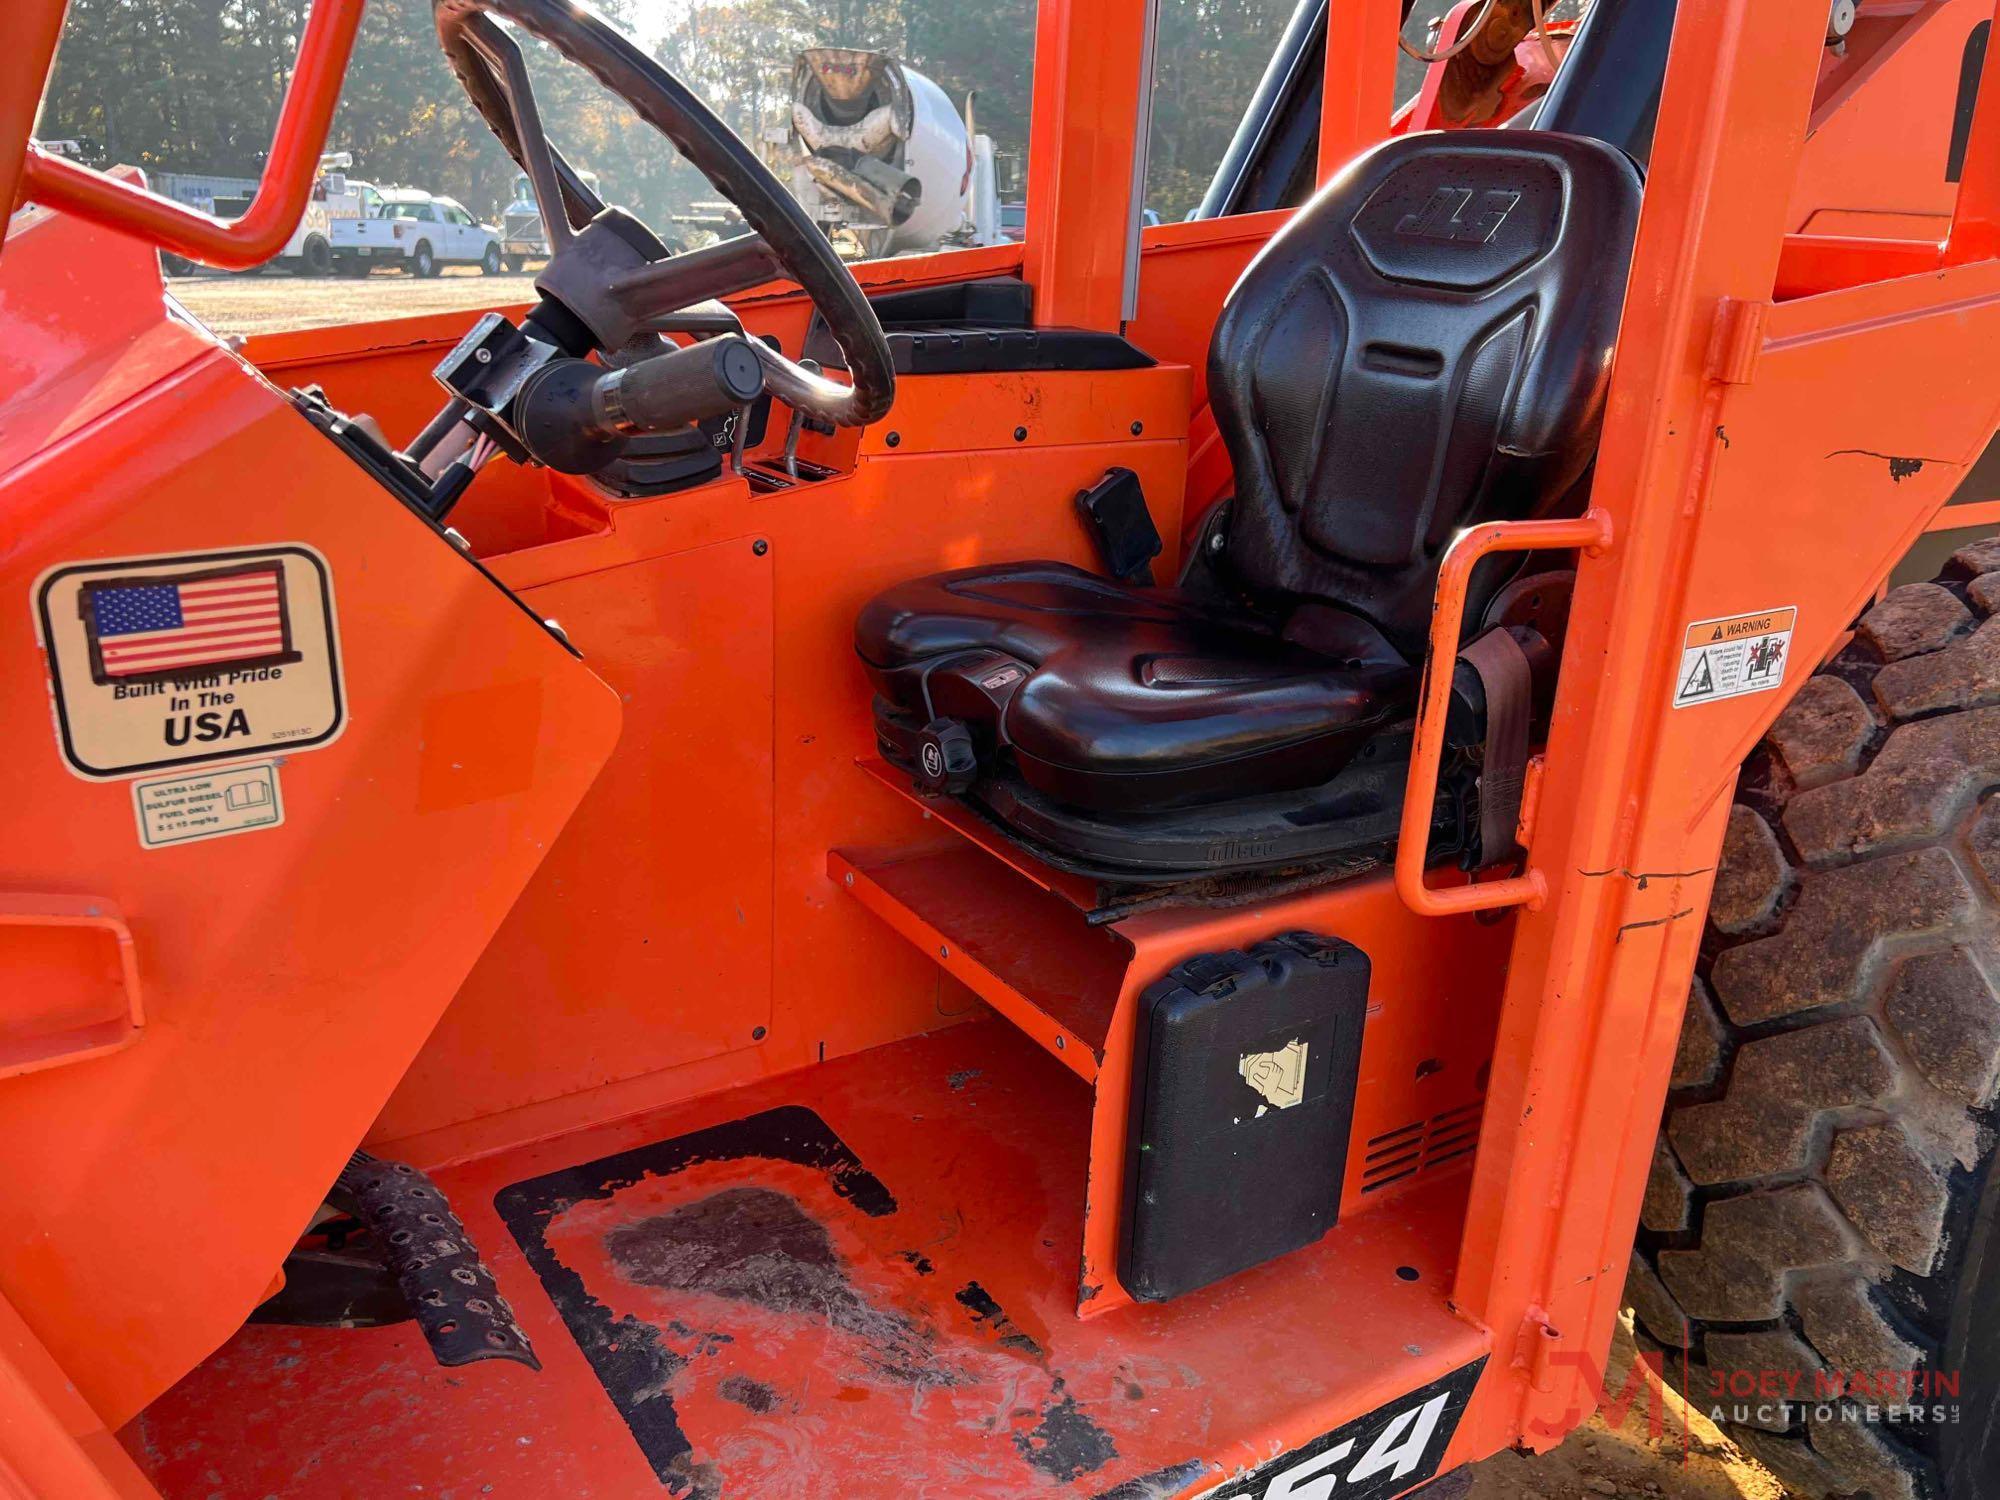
{"points": [[1462, 215], [1384, 1453]]}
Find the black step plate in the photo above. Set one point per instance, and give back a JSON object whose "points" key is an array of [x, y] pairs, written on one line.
{"points": [[456, 1301]]}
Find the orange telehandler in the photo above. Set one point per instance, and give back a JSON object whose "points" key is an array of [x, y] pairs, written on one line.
{"points": [[1077, 867]]}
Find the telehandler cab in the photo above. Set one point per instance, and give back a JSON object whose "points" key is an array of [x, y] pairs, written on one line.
{"points": [[1063, 868]]}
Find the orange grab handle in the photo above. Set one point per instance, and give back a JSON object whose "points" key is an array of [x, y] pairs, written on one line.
{"points": [[288, 172], [1590, 531]]}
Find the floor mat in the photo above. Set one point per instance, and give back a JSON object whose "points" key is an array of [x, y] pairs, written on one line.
{"points": [[766, 1240]]}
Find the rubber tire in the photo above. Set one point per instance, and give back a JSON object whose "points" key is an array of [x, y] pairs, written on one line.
{"points": [[176, 265], [1823, 1193], [423, 261], [317, 257], [489, 264], [516, 262]]}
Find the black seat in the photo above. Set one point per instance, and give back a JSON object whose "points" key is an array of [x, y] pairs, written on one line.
{"points": [[1118, 698], [1424, 347]]}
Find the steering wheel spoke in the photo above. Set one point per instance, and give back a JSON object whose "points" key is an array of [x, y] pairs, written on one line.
{"points": [[704, 275], [562, 197], [784, 242], [702, 319]]}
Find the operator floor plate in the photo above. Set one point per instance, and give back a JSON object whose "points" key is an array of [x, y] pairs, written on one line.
{"points": [[855, 1280]]}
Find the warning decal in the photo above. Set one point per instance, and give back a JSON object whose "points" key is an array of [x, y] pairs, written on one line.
{"points": [[1730, 657], [157, 662]]}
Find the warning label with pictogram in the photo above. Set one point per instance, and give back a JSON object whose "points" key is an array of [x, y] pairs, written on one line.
{"points": [[1729, 657]]}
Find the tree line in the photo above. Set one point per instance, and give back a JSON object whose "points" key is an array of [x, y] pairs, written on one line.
{"points": [[194, 86]]}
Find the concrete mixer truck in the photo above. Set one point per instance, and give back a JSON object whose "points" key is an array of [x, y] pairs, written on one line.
{"points": [[881, 159]]}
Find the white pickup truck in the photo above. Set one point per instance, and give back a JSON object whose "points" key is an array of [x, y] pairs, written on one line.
{"points": [[308, 252], [414, 230]]}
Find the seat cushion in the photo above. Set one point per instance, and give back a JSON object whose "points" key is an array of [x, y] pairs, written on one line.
{"points": [[1112, 697]]}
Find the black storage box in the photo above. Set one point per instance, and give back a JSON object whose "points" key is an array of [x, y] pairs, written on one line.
{"points": [[1243, 1097]]}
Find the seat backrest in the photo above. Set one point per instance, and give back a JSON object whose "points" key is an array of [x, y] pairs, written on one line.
{"points": [[1424, 347]]}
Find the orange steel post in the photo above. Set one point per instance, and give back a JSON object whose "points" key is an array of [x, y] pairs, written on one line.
{"points": [[1089, 55], [28, 35], [1359, 94], [1590, 531], [1627, 835], [288, 172]]}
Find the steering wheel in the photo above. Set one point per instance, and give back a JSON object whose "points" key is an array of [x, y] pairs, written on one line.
{"points": [[614, 275]]}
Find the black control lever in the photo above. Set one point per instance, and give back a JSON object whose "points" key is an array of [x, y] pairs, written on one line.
{"points": [[575, 416]]}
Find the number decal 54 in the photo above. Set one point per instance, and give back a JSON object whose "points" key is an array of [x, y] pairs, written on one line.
{"points": [[1381, 1454]]}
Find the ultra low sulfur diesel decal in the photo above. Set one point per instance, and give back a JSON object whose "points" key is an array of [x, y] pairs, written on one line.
{"points": [[163, 661], [1384, 1453]]}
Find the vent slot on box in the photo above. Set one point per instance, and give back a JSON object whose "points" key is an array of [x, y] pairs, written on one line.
{"points": [[1423, 1146]]}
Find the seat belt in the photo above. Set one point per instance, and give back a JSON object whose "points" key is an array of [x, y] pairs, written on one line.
{"points": [[1508, 683]]}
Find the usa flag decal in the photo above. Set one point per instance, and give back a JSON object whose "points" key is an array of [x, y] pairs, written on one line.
{"points": [[157, 662], [150, 627]]}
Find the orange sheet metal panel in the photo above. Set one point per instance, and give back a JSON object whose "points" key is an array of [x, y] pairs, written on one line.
{"points": [[701, 837], [1814, 263], [54, 382], [1880, 136], [300, 914], [644, 941], [51, 1443], [1185, 273], [1017, 945]]}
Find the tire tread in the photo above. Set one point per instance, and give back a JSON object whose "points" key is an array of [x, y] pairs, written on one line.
{"points": [[1828, 1122]]}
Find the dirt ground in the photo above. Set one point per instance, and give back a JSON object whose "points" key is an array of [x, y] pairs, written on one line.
{"points": [[273, 301], [1689, 1461]]}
